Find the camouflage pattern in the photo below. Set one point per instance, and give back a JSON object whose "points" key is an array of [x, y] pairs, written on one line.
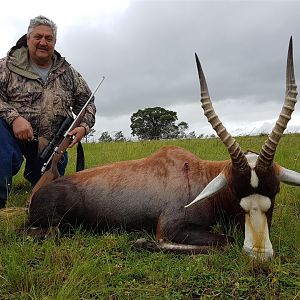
{"points": [[44, 105]]}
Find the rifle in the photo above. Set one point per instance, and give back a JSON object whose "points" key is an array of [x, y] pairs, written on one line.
{"points": [[47, 154], [58, 146]]}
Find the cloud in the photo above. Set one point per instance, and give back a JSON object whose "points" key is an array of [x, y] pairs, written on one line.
{"points": [[146, 51]]}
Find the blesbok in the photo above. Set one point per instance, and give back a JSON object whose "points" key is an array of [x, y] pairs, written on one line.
{"points": [[175, 193]]}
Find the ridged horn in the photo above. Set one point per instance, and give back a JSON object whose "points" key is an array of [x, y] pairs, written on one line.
{"points": [[267, 153], [238, 158]]}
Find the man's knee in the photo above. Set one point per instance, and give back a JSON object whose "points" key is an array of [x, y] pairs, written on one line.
{"points": [[10, 159], [10, 154]]}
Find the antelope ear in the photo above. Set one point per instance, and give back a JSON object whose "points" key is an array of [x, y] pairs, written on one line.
{"points": [[213, 187], [289, 176]]}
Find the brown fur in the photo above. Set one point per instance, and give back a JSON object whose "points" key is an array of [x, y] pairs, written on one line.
{"points": [[148, 193]]}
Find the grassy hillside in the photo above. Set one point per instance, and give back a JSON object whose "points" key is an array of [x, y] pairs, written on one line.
{"points": [[89, 266]]}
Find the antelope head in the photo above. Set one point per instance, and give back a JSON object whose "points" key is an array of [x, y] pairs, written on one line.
{"points": [[253, 178]]}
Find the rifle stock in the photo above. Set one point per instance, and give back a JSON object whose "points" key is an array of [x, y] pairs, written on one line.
{"points": [[52, 173]]}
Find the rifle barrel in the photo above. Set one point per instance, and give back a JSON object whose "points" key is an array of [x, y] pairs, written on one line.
{"points": [[85, 105]]}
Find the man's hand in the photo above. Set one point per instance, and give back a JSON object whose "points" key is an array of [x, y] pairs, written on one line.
{"points": [[22, 129], [78, 133]]}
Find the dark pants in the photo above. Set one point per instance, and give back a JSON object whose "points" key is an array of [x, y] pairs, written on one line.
{"points": [[12, 153]]}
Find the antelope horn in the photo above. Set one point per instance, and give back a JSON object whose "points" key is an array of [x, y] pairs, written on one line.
{"points": [[238, 158], [267, 153]]}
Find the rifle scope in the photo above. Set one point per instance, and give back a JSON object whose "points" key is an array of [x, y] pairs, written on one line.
{"points": [[47, 152]]}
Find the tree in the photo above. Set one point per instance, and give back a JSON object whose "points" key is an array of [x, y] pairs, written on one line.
{"points": [[154, 123], [105, 137], [119, 137], [192, 135], [182, 127], [90, 134]]}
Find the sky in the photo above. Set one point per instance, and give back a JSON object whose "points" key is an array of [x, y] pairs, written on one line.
{"points": [[145, 50]]}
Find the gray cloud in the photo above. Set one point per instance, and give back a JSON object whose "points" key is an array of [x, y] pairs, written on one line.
{"points": [[147, 56]]}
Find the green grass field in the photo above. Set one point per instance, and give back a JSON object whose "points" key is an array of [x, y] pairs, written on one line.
{"points": [[90, 266]]}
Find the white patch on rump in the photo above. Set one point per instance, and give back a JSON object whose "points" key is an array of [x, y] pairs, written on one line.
{"points": [[257, 241]]}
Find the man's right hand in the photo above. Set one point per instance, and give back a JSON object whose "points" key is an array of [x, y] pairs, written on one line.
{"points": [[22, 129]]}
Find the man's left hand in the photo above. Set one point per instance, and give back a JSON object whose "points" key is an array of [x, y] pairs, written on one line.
{"points": [[77, 133]]}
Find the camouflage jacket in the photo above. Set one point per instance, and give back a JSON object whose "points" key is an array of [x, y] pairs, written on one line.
{"points": [[44, 105]]}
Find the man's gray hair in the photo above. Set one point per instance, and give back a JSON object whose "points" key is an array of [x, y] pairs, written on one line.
{"points": [[41, 20]]}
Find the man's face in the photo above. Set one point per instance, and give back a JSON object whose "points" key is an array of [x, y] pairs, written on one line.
{"points": [[41, 42]]}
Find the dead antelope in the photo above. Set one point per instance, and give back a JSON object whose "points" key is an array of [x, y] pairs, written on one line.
{"points": [[175, 193]]}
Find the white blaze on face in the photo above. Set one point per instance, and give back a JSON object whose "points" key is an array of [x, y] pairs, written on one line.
{"points": [[257, 241], [252, 158]]}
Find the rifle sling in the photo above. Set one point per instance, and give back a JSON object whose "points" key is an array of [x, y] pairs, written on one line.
{"points": [[80, 158]]}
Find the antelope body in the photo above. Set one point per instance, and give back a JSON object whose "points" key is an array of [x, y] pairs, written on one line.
{"points": [[175, 193]]}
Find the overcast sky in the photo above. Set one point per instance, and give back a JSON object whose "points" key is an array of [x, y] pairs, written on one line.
{"points": [[145, 49]]}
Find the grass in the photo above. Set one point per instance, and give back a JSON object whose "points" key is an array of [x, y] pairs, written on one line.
{"points": [[104, 266]]}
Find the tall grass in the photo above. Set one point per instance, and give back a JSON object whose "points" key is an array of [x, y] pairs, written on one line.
{"points": [[104, 266]]}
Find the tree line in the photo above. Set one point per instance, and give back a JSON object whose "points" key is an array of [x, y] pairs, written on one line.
{"points": [[151, 123]]}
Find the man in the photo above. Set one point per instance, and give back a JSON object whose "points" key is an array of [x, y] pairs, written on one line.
{"points": [[38, 90]]}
